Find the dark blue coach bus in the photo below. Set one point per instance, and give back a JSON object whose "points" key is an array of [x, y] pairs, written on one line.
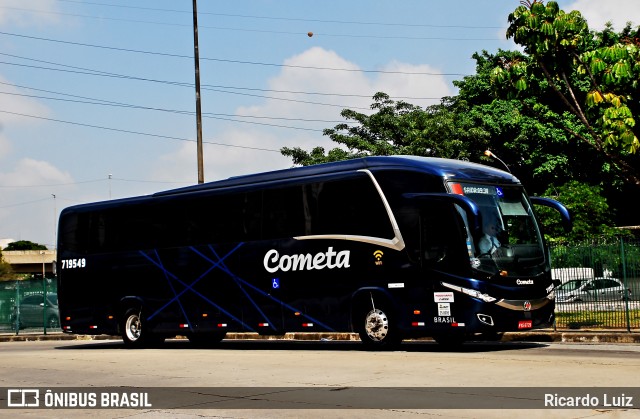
{"points": [[388, 247]]}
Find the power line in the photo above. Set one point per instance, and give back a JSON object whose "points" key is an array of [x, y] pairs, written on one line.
{"points": [[168, 137], [26, 203], [295, 33], [85, 71], [81, 182], [52, 184], [224, 117], [94, 101], [165, 54], [348, 95], [103, 74], [289, 19]]}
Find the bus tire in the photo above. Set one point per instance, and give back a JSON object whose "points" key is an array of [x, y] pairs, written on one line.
{"points": [[377, 327], [134, 333]]}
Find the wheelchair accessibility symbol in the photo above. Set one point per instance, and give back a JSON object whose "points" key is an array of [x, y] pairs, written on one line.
{"points": [[275, 283]]}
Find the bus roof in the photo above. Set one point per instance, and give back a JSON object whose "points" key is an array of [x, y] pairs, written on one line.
{"points": [[444, 168]]}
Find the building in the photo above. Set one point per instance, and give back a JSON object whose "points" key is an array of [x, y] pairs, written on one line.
{"points": [[34, 262]]}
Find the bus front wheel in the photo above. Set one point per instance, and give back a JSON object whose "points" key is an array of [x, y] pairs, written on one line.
{"points": [[378, 329]]}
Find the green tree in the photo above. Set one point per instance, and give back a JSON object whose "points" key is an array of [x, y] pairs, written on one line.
{"points": [[535, 145], [400, 128], [593, 74], [589, 210], [6, 272], [25, 245]]}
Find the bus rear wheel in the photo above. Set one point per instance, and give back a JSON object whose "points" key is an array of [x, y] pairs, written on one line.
{"points": [[134, 333], [378, 329]]}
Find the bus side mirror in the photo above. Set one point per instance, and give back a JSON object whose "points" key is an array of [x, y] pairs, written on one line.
{"points": [[551, 203]]}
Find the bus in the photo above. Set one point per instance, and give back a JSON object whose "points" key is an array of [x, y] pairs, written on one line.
{"points": [[385, 247]]}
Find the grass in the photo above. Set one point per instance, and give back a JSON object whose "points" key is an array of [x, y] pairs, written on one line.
{"points": [[597, 319]]}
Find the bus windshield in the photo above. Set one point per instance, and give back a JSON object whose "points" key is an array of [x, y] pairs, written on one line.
{"points": [[509, 243]]}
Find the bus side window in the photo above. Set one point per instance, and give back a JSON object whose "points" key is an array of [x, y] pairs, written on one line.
{"points": [[350, 206], [283, 213]]}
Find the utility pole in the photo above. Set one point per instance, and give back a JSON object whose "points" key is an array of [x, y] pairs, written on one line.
{"points": [[196, 55]]}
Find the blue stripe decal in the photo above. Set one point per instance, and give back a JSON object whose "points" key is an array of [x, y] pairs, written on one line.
{"points": [[189, 287]]}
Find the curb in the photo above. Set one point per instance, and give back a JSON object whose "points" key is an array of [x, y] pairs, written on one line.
{"points": [[534, 336]]}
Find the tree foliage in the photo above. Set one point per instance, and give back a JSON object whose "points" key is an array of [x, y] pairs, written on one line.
{"points": [[535, 109], [6, 272], [399, 128], [590, 213], [593, 74], [25, 245]]}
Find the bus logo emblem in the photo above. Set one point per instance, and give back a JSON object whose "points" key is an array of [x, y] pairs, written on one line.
{"points": [[527, 306]]}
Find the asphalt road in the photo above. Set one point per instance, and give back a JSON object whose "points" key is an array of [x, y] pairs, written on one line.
{"points": [[479, 368]]}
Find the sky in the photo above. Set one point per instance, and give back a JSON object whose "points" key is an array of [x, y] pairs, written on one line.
{"points": [[97, 98]]}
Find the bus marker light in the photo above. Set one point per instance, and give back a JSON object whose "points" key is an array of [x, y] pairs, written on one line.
{"points": [[504, 273], [307, 324], [263, 324], [184, 326], [456, 188], [205, 315], [110, 317], [68, 318], [297, 313], [416, 312], [222, 325], [93, 327], [416, 324]]}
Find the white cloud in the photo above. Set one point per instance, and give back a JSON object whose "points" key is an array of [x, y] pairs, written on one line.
{"points": [[28, 212], [5, 146], [396, 78], [24, 13], [29, 172], [13, 107], [597, 13]]}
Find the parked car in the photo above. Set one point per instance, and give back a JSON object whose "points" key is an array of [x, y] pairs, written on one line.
{"points": [[33, 312], [593, 289]]}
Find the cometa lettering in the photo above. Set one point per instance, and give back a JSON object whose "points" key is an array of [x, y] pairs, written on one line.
{"points": [[330, 259]]}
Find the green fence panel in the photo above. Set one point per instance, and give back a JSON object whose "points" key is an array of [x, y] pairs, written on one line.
{"points": [[24, 308], [600, 285]]}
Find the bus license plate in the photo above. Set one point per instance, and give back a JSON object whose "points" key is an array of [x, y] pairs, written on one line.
{"points": [[525, 324]]}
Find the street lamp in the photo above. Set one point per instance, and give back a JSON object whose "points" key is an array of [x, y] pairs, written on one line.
{"points": [[488, 153], [196, 55]]}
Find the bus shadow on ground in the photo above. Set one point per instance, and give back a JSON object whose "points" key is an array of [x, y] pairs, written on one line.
{"points": [[330, 346]]}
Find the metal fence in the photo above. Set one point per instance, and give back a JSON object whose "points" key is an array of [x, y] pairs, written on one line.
{"points": [[600, 285], [29, 306], [600, 289]]}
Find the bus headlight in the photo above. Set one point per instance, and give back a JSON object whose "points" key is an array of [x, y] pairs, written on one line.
{"points": [[472, 293]]}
